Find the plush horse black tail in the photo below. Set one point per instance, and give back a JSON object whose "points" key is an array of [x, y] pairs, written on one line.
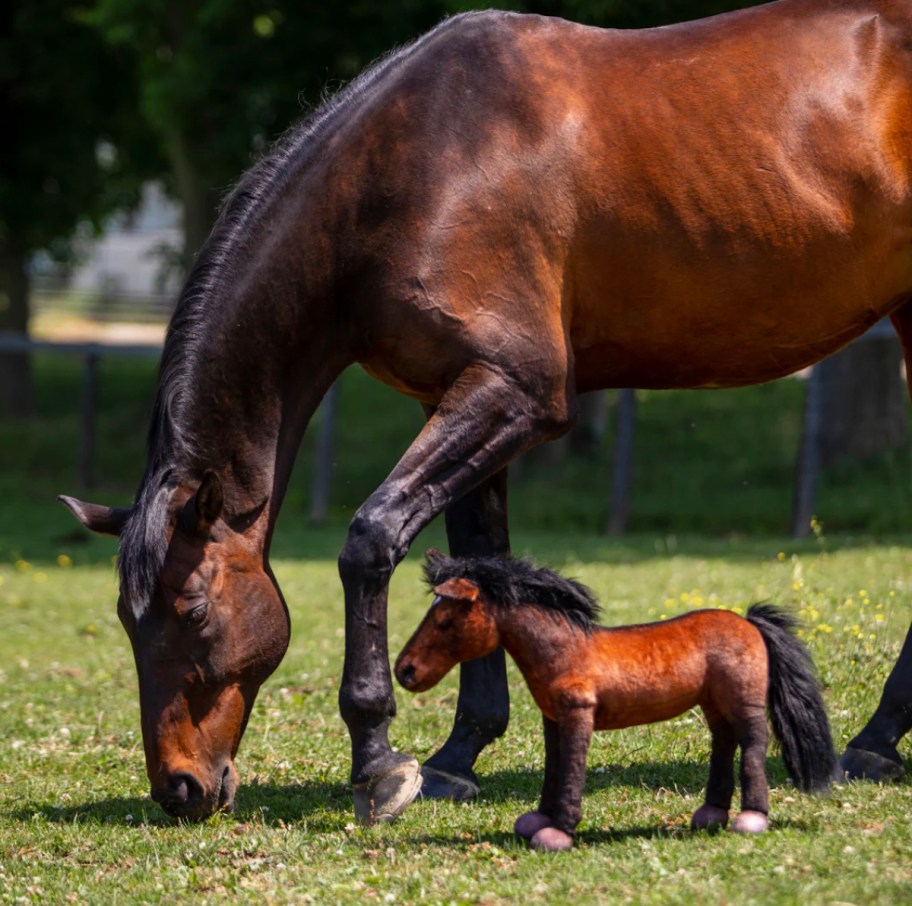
{"points": [[795, 703]]}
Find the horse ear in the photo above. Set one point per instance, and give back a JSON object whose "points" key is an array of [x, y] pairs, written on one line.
{"points": [[461, 589], [105, 520], [208, 502]]}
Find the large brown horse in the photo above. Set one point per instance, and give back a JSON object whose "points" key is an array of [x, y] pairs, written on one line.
{"points": [[506, 213]]}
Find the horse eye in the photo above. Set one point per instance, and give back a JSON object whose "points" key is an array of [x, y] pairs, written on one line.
{"points": [[445, 623], [196, 616]]}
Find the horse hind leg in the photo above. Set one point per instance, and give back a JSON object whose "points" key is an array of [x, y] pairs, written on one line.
{"points": [[476, 526], [753, 737], [720, 787], [872, 754]]}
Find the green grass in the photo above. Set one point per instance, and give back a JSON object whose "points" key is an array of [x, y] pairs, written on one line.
{"points": [[76, 824]]}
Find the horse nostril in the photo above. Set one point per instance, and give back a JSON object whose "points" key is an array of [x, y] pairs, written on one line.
{"points": [[183, 792], [406, 674]]}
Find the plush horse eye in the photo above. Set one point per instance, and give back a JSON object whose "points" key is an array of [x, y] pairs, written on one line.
{"points": [[196, 616], [445, 623]]}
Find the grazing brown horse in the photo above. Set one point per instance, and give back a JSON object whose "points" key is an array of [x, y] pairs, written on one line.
{"points": [[585, 677], [508, 212]]}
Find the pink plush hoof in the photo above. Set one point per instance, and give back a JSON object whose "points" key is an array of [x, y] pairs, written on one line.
{"points": [[528, 825], [750, 823], [551, 840], [709, 817]]}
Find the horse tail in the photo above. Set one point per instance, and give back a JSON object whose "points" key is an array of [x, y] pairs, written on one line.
{"points": [[794, 700]]}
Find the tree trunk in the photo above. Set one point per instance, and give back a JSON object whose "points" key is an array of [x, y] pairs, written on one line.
{"points": [[16, 397], [200, 202], [864, 408]]}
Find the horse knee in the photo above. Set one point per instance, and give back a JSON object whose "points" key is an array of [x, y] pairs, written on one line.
{"points": [[369, 554]]}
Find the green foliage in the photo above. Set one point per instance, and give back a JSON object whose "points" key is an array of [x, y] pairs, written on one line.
{"points": [[66, 103]]}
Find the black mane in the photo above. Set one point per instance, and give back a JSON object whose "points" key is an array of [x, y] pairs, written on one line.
{"points": [[171, 443], [511, 581]]}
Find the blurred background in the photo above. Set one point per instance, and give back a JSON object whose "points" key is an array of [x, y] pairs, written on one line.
{"points": [[125, 122]]}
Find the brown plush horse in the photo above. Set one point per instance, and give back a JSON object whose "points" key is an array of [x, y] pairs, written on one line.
{"points": [[508, 212], [585, 677]]}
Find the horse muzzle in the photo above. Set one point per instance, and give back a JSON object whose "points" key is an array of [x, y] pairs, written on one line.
{"points": [[183, 795]]}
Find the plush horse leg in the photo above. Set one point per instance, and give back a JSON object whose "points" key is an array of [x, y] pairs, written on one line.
{"points": [[575, 734], [484, 421], [476, 526], [721, 784], [753, 736], [529, 824], [872, 754]]}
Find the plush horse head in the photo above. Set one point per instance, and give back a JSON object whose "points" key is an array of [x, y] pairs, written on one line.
{"points": [[458, 627], [212, 627]]}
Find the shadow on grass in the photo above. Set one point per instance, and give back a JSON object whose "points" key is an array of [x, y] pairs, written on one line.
{"points": [[327, 807], [265, 803]]}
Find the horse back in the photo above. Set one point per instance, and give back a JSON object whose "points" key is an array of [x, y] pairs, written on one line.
{"points": [[642, 674], [660, 202]]}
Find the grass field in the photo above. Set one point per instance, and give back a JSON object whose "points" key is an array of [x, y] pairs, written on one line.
{"points": [[76, 823]]}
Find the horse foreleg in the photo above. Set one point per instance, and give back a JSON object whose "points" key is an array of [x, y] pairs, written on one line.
{"points": [[721, 784], [872, 753], [574, 735], [753, 737], [476, 526], [529, 824], [483, 421]]}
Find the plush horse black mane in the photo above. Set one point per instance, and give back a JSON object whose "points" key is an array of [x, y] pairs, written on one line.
{"points": [[512, 581]]}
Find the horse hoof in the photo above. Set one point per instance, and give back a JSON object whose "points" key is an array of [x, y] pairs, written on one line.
{"points": [[709, 817], [386, 797], [528, 825], [437, 784], [749, 822], [551, 840], [860, 764]]}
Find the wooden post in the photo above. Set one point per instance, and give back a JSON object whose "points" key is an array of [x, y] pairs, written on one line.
{"points": [[622, 469], [326, 438], [807, 467]]}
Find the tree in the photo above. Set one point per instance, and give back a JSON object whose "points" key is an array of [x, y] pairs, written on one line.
{"points": [[220, 79], [62, 100]]}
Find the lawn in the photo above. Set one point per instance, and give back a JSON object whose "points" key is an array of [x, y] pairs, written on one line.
{"points": [[76, 823]]}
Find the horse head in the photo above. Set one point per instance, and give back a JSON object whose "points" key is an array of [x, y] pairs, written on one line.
{"points": [[208, 631], [458, 627]]}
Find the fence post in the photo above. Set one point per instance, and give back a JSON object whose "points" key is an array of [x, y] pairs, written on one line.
{"points": [[808, 464], [326, 437], [622, 468], [87, 425]]}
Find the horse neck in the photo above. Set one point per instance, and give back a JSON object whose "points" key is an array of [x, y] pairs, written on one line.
{"points": [[241, 377], [532, 637]]}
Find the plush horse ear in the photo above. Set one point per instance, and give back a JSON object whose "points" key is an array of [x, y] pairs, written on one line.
{"points": [[105, 520], [208, 503], [461, 589]]}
